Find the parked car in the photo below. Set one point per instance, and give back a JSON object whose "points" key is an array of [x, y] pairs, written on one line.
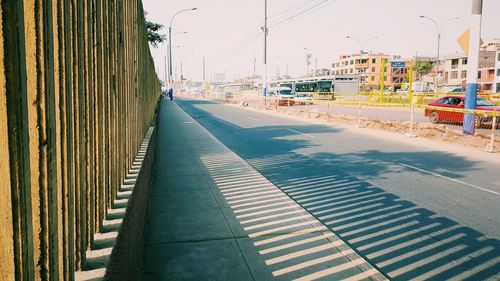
{"points": [[228, 95], [458, 90], [458, 102], [303, 98]]}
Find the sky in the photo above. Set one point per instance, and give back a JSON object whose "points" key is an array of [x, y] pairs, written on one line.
{"points": [[228, 32]]}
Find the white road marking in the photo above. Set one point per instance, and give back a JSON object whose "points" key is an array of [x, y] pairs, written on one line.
{"points": [[254, 119], [307, 135], [450, 179]]}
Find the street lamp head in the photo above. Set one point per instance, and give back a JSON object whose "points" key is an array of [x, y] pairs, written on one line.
{"points": [[194, 9], [422, 16], [348, 37]]}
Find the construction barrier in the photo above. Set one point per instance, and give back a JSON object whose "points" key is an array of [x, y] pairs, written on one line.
{"points": [[78, 92], [410, 119]]}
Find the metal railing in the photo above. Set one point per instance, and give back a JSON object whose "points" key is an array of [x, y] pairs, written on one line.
{"points": [[78, 92]]}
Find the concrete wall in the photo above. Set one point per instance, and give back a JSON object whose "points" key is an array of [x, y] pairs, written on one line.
{"points": [[126, 261], [78, 92]]}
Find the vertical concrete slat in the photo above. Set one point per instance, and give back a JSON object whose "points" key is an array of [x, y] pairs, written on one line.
{"points": [[98, 78], [32, 34], [52, 186], [7, 269], [69, 42], [79, 111], [14, 66]]}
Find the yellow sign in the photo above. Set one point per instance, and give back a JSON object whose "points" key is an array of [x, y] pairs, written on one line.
{"points": [[463, 41]]}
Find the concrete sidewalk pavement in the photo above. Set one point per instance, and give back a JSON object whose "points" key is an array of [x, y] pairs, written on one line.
{"points": [[213, 217]]}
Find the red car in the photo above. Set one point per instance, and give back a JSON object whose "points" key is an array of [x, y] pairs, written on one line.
{"points": [[457, 102]]}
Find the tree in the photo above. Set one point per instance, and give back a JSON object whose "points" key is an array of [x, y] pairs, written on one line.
{"points": [[154, 37], [422, 67]]}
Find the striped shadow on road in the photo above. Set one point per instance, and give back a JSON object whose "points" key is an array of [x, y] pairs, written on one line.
{"points": [[277, 236], [404, 241]]}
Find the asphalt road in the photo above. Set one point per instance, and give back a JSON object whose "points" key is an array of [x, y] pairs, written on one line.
{"points": [[411, 212]]}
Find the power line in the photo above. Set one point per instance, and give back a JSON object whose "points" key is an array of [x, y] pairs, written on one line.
{"points": [[304, 12], [295, 12]]}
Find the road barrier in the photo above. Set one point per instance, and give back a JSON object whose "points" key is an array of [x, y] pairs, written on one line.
{"points": [[483, 119], [78, 92], [361, 113]]}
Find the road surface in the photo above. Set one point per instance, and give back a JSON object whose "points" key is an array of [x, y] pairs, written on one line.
{"points": [[410, 211]]}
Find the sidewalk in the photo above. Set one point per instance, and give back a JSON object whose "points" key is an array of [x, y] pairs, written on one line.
{"points": [[213, 217]]}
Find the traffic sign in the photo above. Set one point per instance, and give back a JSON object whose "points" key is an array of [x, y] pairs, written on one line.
{"points": [[395, 64]]}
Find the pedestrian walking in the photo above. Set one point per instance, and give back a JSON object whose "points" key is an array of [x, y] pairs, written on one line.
{"points": [[171, 93]]}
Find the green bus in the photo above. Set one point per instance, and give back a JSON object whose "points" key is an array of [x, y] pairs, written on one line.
{"points": [[321, 89]]}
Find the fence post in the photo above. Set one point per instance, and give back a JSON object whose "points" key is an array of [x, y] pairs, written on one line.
{"points": [[412, 104], [491, 146], [359, 113]]}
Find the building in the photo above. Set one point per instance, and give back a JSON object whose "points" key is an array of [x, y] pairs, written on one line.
{"points": [[369, 67], [219, 77], [456, 69]]}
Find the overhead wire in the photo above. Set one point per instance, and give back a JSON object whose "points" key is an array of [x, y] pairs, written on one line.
{"points": [[287, 15], [308, 10]]}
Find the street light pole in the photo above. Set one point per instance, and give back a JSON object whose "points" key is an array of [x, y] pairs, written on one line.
{"points": [[361, 44], [264, 78], [439, 29], [170, 42], [315, 62]]}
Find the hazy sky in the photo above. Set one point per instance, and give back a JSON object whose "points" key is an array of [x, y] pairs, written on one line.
{"points": [[227, 32]]}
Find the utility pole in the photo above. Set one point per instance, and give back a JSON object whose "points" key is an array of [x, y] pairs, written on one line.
{"points": [[264, 78], [254, 66], [308, 62], [170, 82], [315, 66], [203, 68], [473, 66], [204, 80], [166, 75]]}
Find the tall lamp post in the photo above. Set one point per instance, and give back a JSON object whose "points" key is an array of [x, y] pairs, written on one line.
{"points": [[315, 61], [439, 28], [361, 45], [266, 31], [167, 56], [170, 41]]}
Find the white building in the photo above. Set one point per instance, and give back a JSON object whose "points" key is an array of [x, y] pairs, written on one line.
{"points": [[456, 71]]}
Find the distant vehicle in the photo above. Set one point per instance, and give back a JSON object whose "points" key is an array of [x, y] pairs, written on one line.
{"points": [[228, 95], [420, 87], [283, 94], [303, 99], [457, 102], [321, 86], [458, 90], [290, 85]]}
